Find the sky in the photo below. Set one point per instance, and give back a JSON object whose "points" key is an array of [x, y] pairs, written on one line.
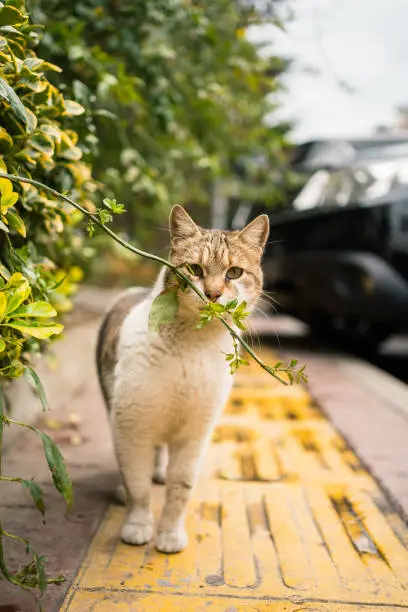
{"points": [[360, 43]]}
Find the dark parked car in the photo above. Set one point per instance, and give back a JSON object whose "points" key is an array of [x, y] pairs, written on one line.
{"points": [[338, 258]]}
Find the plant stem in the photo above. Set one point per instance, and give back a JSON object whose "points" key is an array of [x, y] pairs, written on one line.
{"points": [[254, 356], [1, 425], [3, 566], [13, 422], [12, 536]]}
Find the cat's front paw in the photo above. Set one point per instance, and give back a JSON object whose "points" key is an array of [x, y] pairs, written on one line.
{"points": [[171, 541], [137, 533]]}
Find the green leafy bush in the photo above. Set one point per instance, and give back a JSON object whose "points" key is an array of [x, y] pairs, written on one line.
{"points": [[176, 97], [38, 235]]}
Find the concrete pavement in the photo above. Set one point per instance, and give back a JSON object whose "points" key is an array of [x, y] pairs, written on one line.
{"points": [[286, 514]]}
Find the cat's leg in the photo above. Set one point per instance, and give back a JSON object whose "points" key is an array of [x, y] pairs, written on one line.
{"points": [[181, 474], [160, 464], [136, 460], [159, 473]]}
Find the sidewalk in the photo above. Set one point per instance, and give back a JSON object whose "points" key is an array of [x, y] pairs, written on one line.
{"points": [[285, 516]]}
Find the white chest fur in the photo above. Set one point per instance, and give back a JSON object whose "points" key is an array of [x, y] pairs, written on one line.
{"points": [[173, 383]]}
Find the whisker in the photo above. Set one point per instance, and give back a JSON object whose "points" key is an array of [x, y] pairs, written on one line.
{"points": [[256, 309], [253, 335], [270, 296], [275, 241], [269, 305]]}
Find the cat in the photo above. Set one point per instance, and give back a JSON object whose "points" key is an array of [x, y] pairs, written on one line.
{"points": [[166, 389]]}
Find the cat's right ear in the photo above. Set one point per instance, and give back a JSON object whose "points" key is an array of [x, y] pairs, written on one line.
{"points": [[181, 224]]}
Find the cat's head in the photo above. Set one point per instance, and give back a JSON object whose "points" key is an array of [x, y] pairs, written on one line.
{"points": [[224, 265]]}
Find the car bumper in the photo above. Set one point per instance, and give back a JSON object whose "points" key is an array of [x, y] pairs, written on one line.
{"points": [[339, 283]]}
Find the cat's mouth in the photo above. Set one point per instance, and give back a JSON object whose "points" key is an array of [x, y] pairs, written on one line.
{"points": [[191, 300]]}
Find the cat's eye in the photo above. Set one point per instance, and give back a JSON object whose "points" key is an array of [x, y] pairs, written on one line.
{"points": [[234, 273], [196, 270]]}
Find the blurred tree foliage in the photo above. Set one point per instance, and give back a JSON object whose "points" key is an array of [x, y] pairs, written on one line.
{"points": [[175, 96]]}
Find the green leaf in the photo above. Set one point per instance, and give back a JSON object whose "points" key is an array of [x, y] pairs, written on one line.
{"points": [[104, 216], [109, 203], [293, 363], [58, 469], [36, 493], [8, 94], [91, 228], [41, 575], [2, 345], [32, 328], [202, 323], [34, 381], [16, 223], [36, 309], [114, 206], [163, 309], [239, 324], [11, 16]]}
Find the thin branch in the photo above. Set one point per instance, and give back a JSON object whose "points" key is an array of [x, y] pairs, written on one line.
{"points": [[179, 274]]}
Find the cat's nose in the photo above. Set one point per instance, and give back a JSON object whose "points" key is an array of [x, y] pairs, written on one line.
{"points": [[213, 294]]}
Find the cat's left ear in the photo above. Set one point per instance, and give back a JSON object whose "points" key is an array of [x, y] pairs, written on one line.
{"points": [[256, 233]]}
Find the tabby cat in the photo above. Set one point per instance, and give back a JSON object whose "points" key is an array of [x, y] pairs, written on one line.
{"points": [[166, 389]]}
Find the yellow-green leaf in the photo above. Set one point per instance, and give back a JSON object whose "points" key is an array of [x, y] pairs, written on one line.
{"points": [[6, 141], [72, 154], [15, 280], [6, 189], [2, 345], [3, 305], [73, 108], [4, 272], [16, 296], [9, 15], [16, 222], [52, 131], [52, 67], [8, 202], [35, 309], [41, 332]]}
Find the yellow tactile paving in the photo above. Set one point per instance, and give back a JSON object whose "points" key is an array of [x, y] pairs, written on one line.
{"points": [[284, 518]]}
